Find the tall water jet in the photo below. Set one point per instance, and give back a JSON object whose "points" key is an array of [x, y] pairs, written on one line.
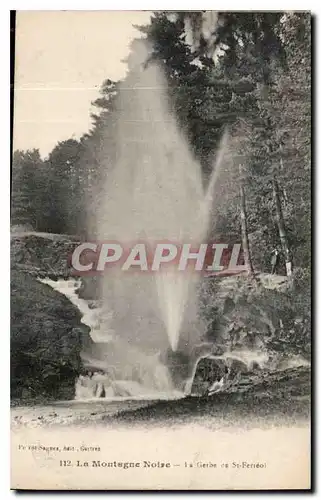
{"points": [[153, 192]]}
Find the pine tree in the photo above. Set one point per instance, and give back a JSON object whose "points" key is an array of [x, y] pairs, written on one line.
{"points": [[63, 189], [26, 172]]}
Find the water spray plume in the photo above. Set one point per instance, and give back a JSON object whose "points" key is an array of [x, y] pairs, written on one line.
{"points": [[154, 191]]}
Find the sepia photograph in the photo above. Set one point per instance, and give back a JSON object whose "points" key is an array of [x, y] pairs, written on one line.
{"points": [[161, 250]]}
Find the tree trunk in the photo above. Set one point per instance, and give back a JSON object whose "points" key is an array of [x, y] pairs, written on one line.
{"points": [[245, 237], [281, 227]]}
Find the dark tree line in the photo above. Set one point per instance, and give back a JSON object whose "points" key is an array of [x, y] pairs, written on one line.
{"points": [[246, 72]]}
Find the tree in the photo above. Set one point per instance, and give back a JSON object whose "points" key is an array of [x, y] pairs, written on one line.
{"points": [[27, 170], [199, 99], [235, 68], [64, 189], [253, 59], [98, 155], [244, 230]]}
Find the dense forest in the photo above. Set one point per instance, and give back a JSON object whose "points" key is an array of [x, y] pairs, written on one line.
{"points": [[245, 72], [238, 79]]}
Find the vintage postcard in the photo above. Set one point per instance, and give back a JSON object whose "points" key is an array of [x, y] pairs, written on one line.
{"points": [[161, 251]]}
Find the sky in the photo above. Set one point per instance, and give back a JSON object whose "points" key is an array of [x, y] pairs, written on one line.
{"points": [[61, 59]]}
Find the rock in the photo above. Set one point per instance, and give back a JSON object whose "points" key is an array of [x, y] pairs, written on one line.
{"points": [[41, 253], [208, 371], [89, 288], [236, 368], [46, 340], [178, 365], [245, 314]]}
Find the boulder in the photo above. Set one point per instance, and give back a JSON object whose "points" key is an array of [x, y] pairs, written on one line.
{"points": [[208, 371], [46, 341], [89, 288]]}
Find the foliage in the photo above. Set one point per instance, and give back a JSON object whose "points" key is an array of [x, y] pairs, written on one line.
{"points": [[248, 72], [239, 71], [27, 178]]}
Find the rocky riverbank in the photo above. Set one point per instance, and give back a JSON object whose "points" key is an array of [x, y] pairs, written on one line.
{"points": [[279, 398], [267, 319]]}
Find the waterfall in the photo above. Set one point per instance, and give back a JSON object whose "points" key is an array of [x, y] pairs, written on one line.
{"points": [[148, 379]]}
